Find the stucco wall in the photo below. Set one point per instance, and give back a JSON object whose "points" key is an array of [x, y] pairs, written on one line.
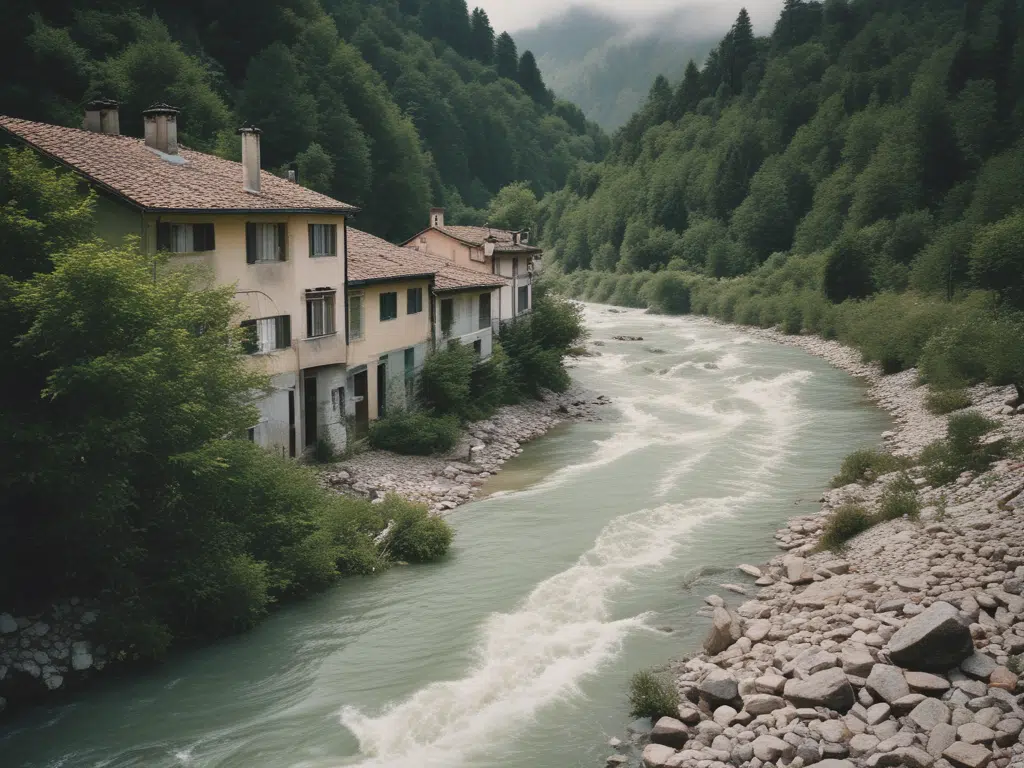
{"points": [[381, 337], [466, 320], [457, 252], [115, 220], [508, 301], [272, 430]]}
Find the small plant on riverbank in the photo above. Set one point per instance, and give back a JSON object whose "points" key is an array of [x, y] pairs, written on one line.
{"points": [[652, 695], [899, 499], [416, 535], [963, 449], [843, 524], [867, 464], [945, 401], [415, 433]]}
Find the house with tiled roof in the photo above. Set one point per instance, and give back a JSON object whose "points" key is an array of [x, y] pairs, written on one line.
{"points": [[489, 250], [282, 246], [401, 304]]}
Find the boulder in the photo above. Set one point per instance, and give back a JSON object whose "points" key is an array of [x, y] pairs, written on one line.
{"points": [[751, 571], [832, 764], [975, 733], [658, 756], [762, 703], [940, 738], [927, 683], [856, 661], [1003, 678], [718, 688], [934, 640], [770, 749], [887, 683], [829, 688], [928, 714], [670, 732], [725, 630], [979, 666], [903, 757], [967, 755]]}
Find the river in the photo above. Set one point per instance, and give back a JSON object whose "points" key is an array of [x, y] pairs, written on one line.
{"points": [[515, 651]]}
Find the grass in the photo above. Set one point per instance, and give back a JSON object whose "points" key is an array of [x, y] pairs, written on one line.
{"points": [[843, 524], [899, 499], [867, 464], [945, 401], [962, 450], [652, 695]]}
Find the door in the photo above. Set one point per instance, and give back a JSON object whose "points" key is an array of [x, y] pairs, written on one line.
{"points": [[291, 423], [382, 387], [309, 407], [360, 390]]}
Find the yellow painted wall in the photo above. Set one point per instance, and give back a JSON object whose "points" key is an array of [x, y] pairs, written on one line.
{"points": [[455, 251]]}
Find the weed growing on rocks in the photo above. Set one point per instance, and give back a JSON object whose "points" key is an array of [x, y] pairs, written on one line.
{"points": [[653, 696], [963, 450], [899, 499], [867, 464], [945, 401], [843, 524]]}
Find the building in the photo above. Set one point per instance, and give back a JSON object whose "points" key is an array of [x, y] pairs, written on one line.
{"points": [[281, 245], [485, 249], [401, 304]]}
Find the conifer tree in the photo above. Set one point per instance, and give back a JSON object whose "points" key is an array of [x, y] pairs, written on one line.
{"points": [[506, 57], [530, 78], [741, 51], [482, 37], [687, 93]]}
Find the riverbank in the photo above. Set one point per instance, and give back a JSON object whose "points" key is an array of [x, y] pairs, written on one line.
{"points": [[444, 483], [898, 651]]}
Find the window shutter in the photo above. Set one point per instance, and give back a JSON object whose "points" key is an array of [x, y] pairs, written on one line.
{"points": [[251, 244], [309, 318], [312, 241], [334, 239], [282, 241], [163, 237], [284, 331], [211, 239]]}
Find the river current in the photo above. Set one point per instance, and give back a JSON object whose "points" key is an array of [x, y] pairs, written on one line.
{"points": [[588, 562]]}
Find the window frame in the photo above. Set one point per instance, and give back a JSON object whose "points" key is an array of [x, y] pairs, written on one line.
{"points": [[333, 240], [480, 311], [357, 298], [524, 290], [252, 250], [413, 301], [447, 331], [165, 236], [323, 298], [251, 342], [392, 299]]}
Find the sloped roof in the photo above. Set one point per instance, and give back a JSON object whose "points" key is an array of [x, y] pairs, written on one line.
{"points": [[126, 167], [477, 235], [371, 259]]}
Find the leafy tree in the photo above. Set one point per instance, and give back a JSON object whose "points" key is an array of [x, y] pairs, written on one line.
{"points": [[506, 57], [847, 274], [997, 258], [514, 207], [316, 168]]}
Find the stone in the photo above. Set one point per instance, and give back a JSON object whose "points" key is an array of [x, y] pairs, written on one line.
{"points": [[771, 748], [904, 757], [718, 688], [725, 630], [1003, 678], [689, 715], [967, 755], [670, 732], [887, 682], [857, 662], [742, 753], [832, 764], [925, 682], [877, 713], [53, 682], [928, 714], [934, 640], [831, 730], [762, 703], [614, 760], [751, 570], [940, 738], [829, 688], [862, 744], [979, 666], [975, 733], [773, 684], [7, 624], [757, 630], [658, 756], [724, 715]]}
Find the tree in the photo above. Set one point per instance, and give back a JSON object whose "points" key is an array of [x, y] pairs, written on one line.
{"points": [[798, 22], [529, 78], [997, 259], [514, 207], [687, 93], [316, 169], [482, 37], [740, 50], [847, 272], [659, 100], [506, 58]]}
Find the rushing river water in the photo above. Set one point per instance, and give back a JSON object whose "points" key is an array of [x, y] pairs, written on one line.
{"points": [[516, 650]]}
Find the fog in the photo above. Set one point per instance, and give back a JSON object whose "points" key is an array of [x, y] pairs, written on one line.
{"points": [[697, 16]]}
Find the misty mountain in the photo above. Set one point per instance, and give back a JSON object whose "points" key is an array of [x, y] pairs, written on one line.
{"points": [[606, 67]]}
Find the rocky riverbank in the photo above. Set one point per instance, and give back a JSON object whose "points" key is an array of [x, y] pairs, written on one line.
{"points": [[443, 483], [901, 651]]}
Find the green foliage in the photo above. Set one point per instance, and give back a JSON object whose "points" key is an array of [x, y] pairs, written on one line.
{"points": [[417, 536], [514, 207], [668, 293], [414, 433], [444, 386], [866, 464], [943, 401], [537, 344], [843, 524], [324, 451], [899, 499], [963, 450], [652, 695]]}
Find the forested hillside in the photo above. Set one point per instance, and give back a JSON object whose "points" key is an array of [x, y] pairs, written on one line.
{"points": [[392, 106], [865, 148]]}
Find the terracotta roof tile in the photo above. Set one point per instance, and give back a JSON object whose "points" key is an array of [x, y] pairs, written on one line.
{"points": [[125, 166], [477, 235], [371, 259]]}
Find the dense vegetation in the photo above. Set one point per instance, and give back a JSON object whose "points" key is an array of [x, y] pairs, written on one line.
{"points": [[653, 695], [857, 174], [392, 106], [126, 475]]}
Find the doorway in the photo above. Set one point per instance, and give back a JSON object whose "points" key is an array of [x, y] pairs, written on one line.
{"points": [[309, 409], [382, 387], [360, 390]]}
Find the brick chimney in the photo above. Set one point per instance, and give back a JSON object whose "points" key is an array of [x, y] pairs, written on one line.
{"points": [[161, 123], [437, 217], [101, 116], [250, 158]]}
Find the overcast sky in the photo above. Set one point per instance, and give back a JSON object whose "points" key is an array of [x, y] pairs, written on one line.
{"points": [[513, 15]]}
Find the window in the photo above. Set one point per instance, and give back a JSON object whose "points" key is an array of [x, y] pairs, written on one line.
{"points": [[447, 316], [355, 316], [410, 375], [323, 240], [388, 306], [184, 238], [515, 266], [414, 301], [251, 434], [319, 313], [478, 348], [524, 298], [485, 310], [265, 243], [267, 334]]}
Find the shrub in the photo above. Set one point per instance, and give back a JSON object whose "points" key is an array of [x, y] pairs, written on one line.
{"points": [[793, 320], [445, 381], [414, 433], [962, 450], [417, 536], [653, 696], [865, 465], [323, 452], [945, 401], [899, 499], [843, 524], [668, 293]]}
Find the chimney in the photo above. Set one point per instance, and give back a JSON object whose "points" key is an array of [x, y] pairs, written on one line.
{"points": [[161, 122], [250, 158], [101, 116], [437, 217], [515, 238]]}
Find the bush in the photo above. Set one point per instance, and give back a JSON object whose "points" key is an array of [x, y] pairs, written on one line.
{"points": [[444, 385], [323, 452], [945, 401], [866, 464], [417, 536], [962, 450], [652, 696], [414, 433], [843, 524], [899, 499], [668, 293]]}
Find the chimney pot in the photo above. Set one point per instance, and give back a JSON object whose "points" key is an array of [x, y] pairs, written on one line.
{"points": [[437, 218], [251, 158], [291, 176], [101, 116], [161, 123]]}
